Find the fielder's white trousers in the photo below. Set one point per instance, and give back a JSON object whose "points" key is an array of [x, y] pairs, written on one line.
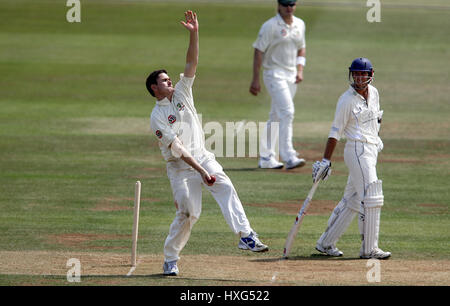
{"points": [[282, 111], [187, 192], [361, 160]]}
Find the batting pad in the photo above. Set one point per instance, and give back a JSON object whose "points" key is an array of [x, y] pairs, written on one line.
{"points": [[373, 201], [371, 229], [374, 195], [338, 223]]}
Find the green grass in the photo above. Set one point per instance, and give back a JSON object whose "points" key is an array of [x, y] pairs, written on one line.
{"points": [[74, 122]]}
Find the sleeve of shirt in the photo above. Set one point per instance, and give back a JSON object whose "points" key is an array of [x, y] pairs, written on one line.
{"points": [[302, 41], [162, 130], [183, 89], [377, 97], [185, 83], [341, 117], [264, 37]]}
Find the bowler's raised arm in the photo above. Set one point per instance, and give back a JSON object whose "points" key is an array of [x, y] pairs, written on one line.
{"points": [[191, 24]]}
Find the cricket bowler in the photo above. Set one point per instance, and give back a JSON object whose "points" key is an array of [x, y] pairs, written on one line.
{"points": [[190, 166]]}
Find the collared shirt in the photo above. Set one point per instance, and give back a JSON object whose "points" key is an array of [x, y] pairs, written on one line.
{"points": [[280, 43], [178, 118], [356, 118]]}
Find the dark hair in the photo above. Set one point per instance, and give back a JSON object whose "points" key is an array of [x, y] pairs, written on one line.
{"points": [[151, 79]]}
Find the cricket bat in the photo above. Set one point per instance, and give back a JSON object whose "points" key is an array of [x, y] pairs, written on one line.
{"points": [[298, 220]]}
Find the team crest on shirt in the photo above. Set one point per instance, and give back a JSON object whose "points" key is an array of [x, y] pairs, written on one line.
{"points": [[283, 32], [158, 134], [180, 106], [172, 119]]}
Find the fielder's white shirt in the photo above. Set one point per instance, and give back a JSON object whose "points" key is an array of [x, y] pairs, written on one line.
{"points": [[280, 43], [355, 119], [179, 118]]}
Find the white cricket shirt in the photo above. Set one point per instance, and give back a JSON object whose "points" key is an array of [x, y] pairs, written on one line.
{"points": [[179, 118], [280, 43], [355, 119]]}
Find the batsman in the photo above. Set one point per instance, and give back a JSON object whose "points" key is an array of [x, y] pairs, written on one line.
{"points": [[358, 118]]}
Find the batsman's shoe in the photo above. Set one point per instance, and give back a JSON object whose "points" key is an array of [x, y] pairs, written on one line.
{"points": [[170, 268], [330, 250], [252, 243], [295, 162], [269, 163], [377, 254]]}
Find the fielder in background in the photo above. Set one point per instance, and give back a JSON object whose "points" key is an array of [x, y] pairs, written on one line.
{"points": [[190, 166], [358, 118], [280, 49]]}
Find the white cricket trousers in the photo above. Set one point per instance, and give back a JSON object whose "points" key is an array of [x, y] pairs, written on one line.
{"points": [[187, 192], [282, 111], [361, 160]]}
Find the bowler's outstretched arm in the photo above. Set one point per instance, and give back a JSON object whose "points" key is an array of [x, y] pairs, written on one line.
{"points": [[192, 53]]}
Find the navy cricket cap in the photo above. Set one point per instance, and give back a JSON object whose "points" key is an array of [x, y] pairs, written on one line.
{"points": [[287, 1]]}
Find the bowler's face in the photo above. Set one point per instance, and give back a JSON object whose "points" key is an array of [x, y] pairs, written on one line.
{"points": [[164, 84]]}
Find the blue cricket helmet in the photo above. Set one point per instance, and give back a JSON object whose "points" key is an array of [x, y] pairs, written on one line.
{"points": [[361, 64]]}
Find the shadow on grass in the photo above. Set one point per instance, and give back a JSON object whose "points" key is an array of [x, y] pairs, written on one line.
{"points": [[241, 169], [310, 257], [148, 276]]}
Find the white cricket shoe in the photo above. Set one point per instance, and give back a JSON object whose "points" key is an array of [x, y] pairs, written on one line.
{"points": [[295, 162], [269, 163], [252, 243], [330, 250], [376, 253], [170, 268]]}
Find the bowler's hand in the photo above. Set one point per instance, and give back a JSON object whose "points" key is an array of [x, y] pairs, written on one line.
{"points": [[191, 21], [255, 88], [206, 178]]}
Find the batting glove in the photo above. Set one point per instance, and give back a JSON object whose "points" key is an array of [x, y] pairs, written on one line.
{"points": [[380, 145], [321, 170]]}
